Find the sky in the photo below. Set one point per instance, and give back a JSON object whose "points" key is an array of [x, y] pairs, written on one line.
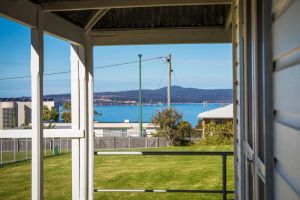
{"points": [[205, 66]]}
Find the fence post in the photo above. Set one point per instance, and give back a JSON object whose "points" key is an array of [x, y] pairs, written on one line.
{"points": [[129, 142], [59, 145], [224, 176], [53, 146], [50, 145], [45, 139], [26, 156], [18, 145], [114, 140], [14, 150], [1, 152], [146, 142], [67, 145]]}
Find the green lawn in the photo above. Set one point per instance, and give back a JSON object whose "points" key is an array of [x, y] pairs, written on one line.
{"points": [[8, 156], [126, 172]]}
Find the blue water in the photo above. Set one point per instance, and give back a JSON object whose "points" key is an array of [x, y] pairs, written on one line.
{"points": [[119, 113]]}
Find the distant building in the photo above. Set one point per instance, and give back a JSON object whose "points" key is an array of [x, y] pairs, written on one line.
{"points": [[16, 112], [123, 129], [118, 129], [219, 115]]}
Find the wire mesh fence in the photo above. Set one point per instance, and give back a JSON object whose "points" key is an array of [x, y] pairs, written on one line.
{"points": [[16, 150], [129, 142], [19, 149]]}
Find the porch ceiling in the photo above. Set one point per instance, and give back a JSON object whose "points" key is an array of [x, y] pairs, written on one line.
{"points": [[112, 22], [150, 17]]}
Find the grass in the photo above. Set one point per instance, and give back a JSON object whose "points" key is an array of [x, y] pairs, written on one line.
{"points": [[9, 157], [126, 172]]}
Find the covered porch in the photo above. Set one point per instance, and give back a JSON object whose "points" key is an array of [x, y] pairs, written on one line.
{"points": [[246, 24]]}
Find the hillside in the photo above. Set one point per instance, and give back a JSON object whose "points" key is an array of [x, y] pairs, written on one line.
{"points": [[178, 95]]}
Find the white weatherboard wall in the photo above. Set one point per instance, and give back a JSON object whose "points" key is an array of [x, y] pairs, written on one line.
{"points": [[286, 91]]}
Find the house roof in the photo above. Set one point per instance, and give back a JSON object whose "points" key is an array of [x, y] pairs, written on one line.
{"points": [[225, 112]]}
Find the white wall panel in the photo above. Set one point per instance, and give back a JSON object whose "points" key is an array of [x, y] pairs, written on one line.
{"points": [[286, 95], [286, 30]]}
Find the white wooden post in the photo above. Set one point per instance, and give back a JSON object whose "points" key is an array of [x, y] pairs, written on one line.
{"points": [[83, 123], [90, 92], [79, 121], [37, 68], [75, 120]]}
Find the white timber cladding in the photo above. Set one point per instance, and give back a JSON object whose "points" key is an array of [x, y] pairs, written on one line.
{"points": [[237, 90], [286, 62], [37, 70], [255, 98]]}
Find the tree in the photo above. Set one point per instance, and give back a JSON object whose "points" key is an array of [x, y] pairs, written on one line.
{"points": [[50, 115], [66, 115], [46, 113], [172, 127]]}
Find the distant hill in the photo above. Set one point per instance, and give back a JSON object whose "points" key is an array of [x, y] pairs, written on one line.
{"points": [[178, 95]]}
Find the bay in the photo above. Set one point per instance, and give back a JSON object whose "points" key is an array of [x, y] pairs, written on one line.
{"points": [[119, 113]]}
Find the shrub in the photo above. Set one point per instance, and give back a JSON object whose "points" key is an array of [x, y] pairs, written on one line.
{"points": [[216, 134], [172, 127]]}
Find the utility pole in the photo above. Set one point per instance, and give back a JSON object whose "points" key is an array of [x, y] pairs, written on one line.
{"points": [[169, 60], [140, 95]]}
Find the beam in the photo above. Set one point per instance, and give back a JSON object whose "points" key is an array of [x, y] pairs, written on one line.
{"points": [[48, 133], [169, 153], [161, 36], [63, 133], [11, 134], [63, 29], [228, 19], [108, 4], [24, 12], [163, 191], [94, 18], [21, 11]]}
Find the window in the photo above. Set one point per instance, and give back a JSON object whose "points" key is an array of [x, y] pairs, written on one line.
{"points": [[8, 118]]}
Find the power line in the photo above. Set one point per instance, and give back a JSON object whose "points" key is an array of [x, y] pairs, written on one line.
{"points": [[128, 63], [162, 78], [66, 72], [176, 79]]}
